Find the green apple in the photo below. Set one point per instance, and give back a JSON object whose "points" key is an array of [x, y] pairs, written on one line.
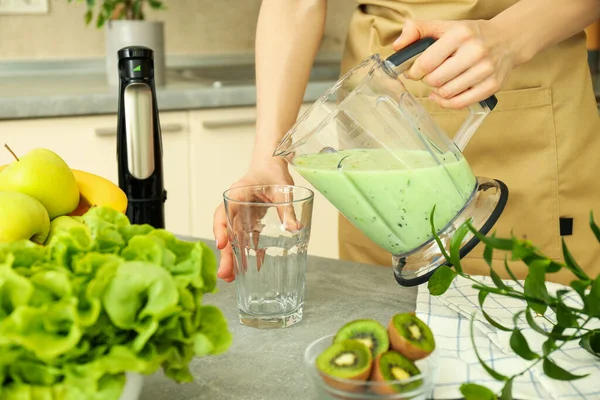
{"points": [[22, 217], [62, 223], [44, 175]]}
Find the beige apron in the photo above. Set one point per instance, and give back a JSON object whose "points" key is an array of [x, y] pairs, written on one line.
{"points": [[542, 139]]}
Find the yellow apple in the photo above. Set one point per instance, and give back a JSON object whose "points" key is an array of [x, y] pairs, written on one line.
{"points": [[22, 217], [44, 175]]}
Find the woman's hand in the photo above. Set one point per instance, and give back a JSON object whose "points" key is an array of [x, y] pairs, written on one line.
{"points": [[269, 172], [469, 62]]}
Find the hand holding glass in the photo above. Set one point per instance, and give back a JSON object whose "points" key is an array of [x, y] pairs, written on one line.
{"points": [[269, 230]]}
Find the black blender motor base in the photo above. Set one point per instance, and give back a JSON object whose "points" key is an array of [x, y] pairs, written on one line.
{"points": [[139, 141], [484, 209]]}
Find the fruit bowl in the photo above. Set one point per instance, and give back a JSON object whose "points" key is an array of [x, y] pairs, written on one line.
{"points": [[328, 387], [95, 191]]}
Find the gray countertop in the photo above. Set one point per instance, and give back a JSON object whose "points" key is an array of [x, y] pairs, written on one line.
{"points": [[268, 364], [34, 89], [63, 88]]}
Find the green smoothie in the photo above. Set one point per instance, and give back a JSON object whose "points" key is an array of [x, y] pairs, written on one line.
{"points": [[389, 196]]}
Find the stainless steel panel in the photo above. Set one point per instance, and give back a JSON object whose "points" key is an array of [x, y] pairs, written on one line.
{"points": [[139, 127]]}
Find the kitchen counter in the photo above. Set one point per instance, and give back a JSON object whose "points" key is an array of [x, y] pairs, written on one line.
{"points": [[33, 89], [268, 364], [65, 88]]}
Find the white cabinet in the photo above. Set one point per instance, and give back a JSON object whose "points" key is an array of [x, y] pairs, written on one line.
{"points": [[205, 151], [220, 150], [221, 143], [89, 144]]}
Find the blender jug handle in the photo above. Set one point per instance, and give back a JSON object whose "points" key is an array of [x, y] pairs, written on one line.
{"points": [[404, 59]]}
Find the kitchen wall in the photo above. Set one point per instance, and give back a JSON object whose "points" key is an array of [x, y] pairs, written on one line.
{"points": [[192, 27]]}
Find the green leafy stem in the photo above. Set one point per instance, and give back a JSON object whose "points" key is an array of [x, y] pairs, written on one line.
{"points": [[537, 300], [118, 9]]}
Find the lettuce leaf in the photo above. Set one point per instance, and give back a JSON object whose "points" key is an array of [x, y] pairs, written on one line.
{"points": [[48, 331], [15, 290], [99, 300]]}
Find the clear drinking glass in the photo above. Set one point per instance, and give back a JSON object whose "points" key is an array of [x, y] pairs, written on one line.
{"points": [[269, 230]]}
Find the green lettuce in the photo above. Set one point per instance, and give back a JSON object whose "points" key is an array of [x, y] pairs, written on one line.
{"points": [[99, 300]]}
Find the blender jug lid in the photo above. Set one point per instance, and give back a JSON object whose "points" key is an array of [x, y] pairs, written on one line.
{"points": [[484, 209]]}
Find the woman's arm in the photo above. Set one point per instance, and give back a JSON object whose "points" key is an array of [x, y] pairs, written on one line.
{"points": [[288, 36], [539, 24], [471, 60]]}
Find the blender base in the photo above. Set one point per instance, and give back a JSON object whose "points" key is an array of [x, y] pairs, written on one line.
{"points": [[484, 209]]}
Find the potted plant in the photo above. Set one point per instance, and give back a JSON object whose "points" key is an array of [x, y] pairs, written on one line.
{"points": [[126, 25]]}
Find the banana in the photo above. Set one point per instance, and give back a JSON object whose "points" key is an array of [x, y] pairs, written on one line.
{"points": [[97, 191]]}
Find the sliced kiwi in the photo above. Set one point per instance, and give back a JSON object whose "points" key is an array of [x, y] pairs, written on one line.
{"points": [[346, 359], [368, 331], [393, 366], [410, 336]]}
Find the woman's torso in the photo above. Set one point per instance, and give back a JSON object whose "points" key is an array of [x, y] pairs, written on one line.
{"points": [[542, 139]]}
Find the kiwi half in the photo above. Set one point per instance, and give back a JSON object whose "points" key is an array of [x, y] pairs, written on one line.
{"points": [[346, 359], [367, 331], [393, 366], [410, 336]]}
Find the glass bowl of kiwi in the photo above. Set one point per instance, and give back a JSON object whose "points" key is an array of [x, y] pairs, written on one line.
{"points": [[366, 360]]}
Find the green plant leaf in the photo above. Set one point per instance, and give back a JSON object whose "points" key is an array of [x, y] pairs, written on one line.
{"points": [[555, 333], [594, 227], [510, 273], [580, 287], [473, 391], [497, 280], [555, 372], [592, 300], [516, 317], [496, 243], [548, 346], [572, 264], [441, 280], [436, 236], [100, 21], [532, 324], [456, 244], [591, 342], [487, 256], [488, 252], [481, 297], [553, 267], [530, 254], [156, 4], [507, 390], [137, 10], [494, 374], [88, 17], [518, 343], [564, 317], [535, 285], [522, 250]]}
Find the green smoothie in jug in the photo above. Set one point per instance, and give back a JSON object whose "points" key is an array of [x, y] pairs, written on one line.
{"points": [[389, 196]]}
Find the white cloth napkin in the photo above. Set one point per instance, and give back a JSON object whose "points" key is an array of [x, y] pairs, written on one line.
{"points": [[449, 317]]}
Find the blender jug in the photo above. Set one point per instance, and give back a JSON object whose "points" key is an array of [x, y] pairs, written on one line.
{"points": [[373, 151]]}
